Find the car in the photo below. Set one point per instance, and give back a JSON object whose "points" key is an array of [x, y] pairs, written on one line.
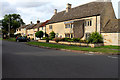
{"points": [[22, 39]]}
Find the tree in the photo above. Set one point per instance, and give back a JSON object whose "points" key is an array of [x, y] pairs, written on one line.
{"points": [[52, 34], [14, 20], [39, 34], [95, 37]]}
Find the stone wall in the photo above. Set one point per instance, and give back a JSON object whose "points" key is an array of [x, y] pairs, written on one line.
{"points": [[78, 29], [111, 38]]}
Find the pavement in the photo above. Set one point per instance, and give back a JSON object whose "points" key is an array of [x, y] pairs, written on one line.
{"points": [[23, 61]]}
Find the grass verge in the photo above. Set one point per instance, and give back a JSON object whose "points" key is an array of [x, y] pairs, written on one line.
{"points": [[89, 49], [10, 39], [0, 38]]}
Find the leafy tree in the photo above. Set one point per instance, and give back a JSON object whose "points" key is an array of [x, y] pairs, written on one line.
{"points": [[95, 37], [52, 34], [15, 21], [39, 34]]}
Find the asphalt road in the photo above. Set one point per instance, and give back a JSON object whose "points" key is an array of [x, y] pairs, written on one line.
{"points": [[23, 61]]}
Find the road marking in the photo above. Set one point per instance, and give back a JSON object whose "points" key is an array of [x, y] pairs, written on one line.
{"points": [[88, 54], [113, 57]]}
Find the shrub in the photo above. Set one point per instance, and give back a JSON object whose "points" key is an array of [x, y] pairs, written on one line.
{"points": [[76, 39], [65, 39], [95, 37], [47, 40], [52, 34], [44, 38], [46, 35], [83, 41], [39, 34], [57, 40], [71, 40]]}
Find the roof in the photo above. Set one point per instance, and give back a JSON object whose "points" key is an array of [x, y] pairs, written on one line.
{"points": [[41, 24], [30, 26], [112, 26], [90, 9], [37, 25]]}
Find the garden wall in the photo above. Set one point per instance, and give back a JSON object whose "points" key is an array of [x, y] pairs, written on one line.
{"points": [[74, 43], [111, 38]]}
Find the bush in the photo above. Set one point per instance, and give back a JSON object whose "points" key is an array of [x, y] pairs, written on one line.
{"points": [[39, 34], [47, 40], [57, 40], [95, 37], [44, 38], [46, 35], [76, 39], [52, 34], [83, 41], [71, 40], [65, 39]]}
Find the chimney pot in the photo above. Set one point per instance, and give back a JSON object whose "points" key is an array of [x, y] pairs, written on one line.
{"points": [[38, 21], [31, 22]]}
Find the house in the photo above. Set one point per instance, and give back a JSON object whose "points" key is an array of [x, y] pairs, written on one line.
{"points": [[30, 29], [80, 21]]}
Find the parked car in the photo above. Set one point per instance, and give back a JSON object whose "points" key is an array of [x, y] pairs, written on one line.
{"points": [[22, 39]]}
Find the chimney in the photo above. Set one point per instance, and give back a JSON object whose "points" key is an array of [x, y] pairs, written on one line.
{"points": [[68, 7], [31, 22], [38, 21], [55, 11]]}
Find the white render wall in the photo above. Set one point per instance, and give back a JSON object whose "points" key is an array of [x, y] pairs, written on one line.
{"points": [[111, 38]]}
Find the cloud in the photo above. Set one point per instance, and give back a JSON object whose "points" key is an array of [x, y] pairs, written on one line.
{"points": [[6, 8], [30, 4], [31, 10]]}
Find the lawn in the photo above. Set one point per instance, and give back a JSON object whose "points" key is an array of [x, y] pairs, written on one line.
{"points": [[10, 39], [110, 47], [0, 38], [98, 49]]}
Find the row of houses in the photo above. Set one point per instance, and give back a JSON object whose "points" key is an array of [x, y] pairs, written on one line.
{"points": [[79, 22]]}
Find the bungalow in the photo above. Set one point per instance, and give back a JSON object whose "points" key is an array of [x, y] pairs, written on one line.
{"points": [[80, 21]]}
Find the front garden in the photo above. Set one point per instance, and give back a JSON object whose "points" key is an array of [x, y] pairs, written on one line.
{"points": [[95, 40]]}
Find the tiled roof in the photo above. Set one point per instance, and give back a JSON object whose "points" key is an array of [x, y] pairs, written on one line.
{"points": [[112, 26]]}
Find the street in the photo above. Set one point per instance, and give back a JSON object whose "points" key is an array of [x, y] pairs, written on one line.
{"points": [[22, 61]]}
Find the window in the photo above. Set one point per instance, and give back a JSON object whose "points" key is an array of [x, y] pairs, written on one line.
{"points": [[87, 35], [88, 23], [69, 26], [42, 28], [50, 26], [57, 34], [72, 25], [67, 35], [71, 35]]}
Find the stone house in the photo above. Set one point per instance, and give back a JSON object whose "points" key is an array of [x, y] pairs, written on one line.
{"points": [[30, 29], [80, 21]]}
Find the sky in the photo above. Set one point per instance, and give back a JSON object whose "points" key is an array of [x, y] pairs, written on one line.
{"points": [[33, 10]]}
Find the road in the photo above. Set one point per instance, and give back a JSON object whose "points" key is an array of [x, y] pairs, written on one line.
{"points": [[23, 61]]}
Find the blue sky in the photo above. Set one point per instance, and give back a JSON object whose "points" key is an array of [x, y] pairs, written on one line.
{"points": [[32, 10]]}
